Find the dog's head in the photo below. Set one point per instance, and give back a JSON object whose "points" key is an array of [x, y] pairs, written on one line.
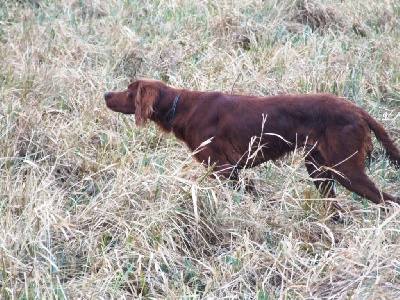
{"points": [[138, 99]]}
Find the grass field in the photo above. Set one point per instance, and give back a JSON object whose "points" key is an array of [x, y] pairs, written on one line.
{"points": [[92, 207]]}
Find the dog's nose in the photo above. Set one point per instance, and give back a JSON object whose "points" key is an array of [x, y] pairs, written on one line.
{"points": [[107, 95]]}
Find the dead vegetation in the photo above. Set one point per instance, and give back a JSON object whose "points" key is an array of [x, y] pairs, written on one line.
{"points": [[318, 16]]}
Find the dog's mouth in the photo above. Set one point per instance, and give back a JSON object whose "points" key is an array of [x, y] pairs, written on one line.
{"points": [[119, 108], [110, 105]]}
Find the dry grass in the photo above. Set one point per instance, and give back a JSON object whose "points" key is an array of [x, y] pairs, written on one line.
{"points": [[92, 207]]}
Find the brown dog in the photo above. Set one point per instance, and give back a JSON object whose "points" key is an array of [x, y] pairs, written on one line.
{"points": [[245, 131]]}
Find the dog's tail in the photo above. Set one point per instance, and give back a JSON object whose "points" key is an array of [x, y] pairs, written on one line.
{"points": [[392, 152]]}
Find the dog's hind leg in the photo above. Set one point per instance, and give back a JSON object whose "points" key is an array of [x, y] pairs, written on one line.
{"points": [[345, 152], [357, 181], [322, 177], [350, 173]]}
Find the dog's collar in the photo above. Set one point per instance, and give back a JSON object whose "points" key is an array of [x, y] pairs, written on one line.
{"points": [[171, 113]]}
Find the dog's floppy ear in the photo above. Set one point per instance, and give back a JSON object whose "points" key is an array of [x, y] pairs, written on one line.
{"points": [[145, 98]]}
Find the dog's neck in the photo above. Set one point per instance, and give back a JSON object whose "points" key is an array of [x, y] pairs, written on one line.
{"points": [[171, 113]]}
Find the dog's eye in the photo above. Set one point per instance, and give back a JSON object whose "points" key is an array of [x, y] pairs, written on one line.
{"points": [[130, 94]]}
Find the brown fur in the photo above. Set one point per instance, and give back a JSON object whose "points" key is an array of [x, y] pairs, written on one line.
{"points": [[335, 133]]}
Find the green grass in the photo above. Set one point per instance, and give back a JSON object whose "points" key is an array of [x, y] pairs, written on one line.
{"points": [[93, 207]]}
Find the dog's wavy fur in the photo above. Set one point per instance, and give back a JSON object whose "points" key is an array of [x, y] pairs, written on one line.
{"points": [[335, 133]]}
